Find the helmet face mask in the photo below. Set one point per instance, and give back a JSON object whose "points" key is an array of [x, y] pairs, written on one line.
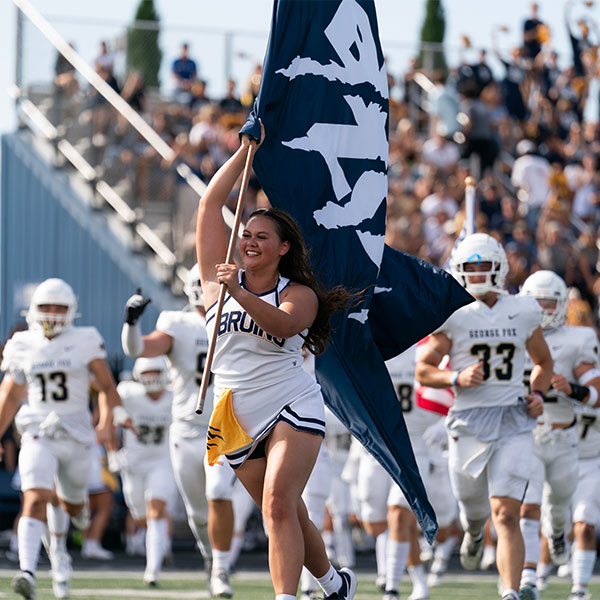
{"points": [[152, 373], [551, 292], [479, 264], [53, 307], [193, 287]]}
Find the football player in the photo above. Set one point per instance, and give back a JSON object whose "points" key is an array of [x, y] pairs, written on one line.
{"points": [[402, 524], [490, 424], [315, 494], [144, 462], [339, 501], [50, 366], [586, 501], [181, 337], [437, 481], [373, 485], [576, 380]]}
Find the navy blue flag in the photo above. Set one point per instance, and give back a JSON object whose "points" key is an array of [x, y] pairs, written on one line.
{"points": [[324, 103], [412, 299]]}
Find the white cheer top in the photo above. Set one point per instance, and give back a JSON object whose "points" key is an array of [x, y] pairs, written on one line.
{"points": [[246, 356]]}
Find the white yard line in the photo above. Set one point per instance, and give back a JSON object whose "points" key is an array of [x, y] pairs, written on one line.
{"points": [[200, 576], [128, 593], [106, 573]]}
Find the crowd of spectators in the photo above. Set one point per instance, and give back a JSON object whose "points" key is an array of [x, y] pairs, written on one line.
{"points": [[529, 135], [531, 138]]}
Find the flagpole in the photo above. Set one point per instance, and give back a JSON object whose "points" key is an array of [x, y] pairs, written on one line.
{"points": [[470, 185], [223, 287]]}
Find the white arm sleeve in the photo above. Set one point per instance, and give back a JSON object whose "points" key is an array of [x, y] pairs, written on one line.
{"points": [[131, 340]]}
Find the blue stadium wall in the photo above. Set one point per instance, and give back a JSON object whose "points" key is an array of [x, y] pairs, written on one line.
{"points": [[47, 230]]}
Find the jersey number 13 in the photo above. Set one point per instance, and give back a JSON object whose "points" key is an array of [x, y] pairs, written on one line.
{"points": [[59, 378]]}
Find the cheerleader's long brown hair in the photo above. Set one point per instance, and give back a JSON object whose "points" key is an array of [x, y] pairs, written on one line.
{"points": [[295, 265]]}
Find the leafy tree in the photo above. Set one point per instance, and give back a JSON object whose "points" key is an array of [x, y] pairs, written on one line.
{"points": [[433, 30], [143, 52]]}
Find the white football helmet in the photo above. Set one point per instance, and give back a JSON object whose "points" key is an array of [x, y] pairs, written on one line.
{"points": [[193, 287], [480, 248], [547, 285], [152, 373], [52, 291]]}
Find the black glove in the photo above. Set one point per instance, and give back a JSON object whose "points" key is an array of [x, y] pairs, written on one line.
{"points": [[135, 306]]}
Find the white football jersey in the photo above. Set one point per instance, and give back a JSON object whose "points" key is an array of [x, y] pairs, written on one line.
{"points": [[186, 361], [569, 347], [151, 419], [496, 337], [402, 373], [247, 357], [57, 374], [588, 425]]}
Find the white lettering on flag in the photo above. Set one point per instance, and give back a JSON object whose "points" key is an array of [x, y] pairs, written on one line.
{"points": [[366, 139], [349, 28], [351, 36]]}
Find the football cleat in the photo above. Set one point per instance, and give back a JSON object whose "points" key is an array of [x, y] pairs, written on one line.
{"points": [[390, 595], [565, 571], [438, 567], [488, 559], [435, 579], [348, 588], [380, 583], [425, 550], [60, 565], [419, 592], [542, 575], [579, 595], [92, 549], [529, 592], [82, 519], [150, 578], [470, 551], [61, 589], [219, 584], [24, 584], [559, 550], [542, 583]]}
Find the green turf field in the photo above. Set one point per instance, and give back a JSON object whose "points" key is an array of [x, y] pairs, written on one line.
{"points": [[254, 586]]}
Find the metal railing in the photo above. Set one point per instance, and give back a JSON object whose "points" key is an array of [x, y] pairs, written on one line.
{"points": [[121, 208], [91, 173]]}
